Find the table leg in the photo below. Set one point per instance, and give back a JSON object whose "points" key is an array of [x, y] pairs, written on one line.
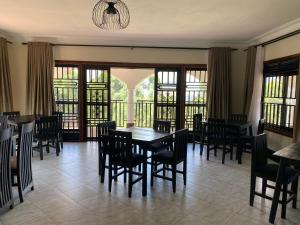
{"points": [[279, 181], [250, 130], [144, 149]]}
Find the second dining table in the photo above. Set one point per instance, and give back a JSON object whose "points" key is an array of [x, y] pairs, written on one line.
{"points": [[143, 137]]}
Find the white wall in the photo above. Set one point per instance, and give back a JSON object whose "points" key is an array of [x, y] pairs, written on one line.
{"points": [[286, 47]]}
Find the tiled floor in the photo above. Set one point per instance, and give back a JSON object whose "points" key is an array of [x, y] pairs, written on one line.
{"points": [[68, 192]]}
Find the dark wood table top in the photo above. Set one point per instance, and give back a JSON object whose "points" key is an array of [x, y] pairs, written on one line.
{"points": [[291, 152], [19, 120], [235, 123], [145, 135]]}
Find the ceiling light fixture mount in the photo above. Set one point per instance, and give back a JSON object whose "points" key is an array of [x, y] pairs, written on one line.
{"points": [[111, 15]]}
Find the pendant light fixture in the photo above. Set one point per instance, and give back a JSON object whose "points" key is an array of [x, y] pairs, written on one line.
{"points": [[111, 15]]}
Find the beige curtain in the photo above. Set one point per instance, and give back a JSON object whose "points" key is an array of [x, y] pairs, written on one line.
{"points": [[249, 79], [6, 100], [40, 98], [219, 73], [255, 105], [296, 134]]}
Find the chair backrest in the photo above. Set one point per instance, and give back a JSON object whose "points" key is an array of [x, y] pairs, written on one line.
{"points": [[180, 145], [103, 132], [5, 174], [197, 122], [11, 114], [3, 122], [215, 128], [60, 119], [120, 146], [261, 126], [24, 154], [238, 118], [162, 126], [259, 152], [47, 127]]}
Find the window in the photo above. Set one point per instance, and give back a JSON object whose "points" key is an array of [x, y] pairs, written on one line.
{"points": [[195, 95], [279, 94], [65, 82]]}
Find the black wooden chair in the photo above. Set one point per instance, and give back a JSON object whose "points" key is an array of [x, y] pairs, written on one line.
{"points": [[216, 138], [268, 172], [3, 122], [47, 129], [197, 130], [121, 155], [103, 145], [60, 127], [247, 141], [21, 168], [238, 118], [11, 114], [173, 158], [162, 127], [6, 196]]}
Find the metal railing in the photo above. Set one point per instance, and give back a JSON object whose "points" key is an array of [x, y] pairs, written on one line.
{"points": [[118, 110], [144, 113], [279, 116]]}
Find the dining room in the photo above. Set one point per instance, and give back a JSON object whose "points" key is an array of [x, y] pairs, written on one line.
{"points": [[121, 112]]}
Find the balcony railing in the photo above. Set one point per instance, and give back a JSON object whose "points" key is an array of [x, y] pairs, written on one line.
{"points": [[144, 113], [118, 110], [279, 116]]}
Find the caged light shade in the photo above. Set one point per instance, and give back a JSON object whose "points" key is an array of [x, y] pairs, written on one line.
{"points": [[111, 15]]}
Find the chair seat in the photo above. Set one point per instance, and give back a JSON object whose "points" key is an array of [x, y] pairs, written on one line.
{"points": [[164, 156], [133, 161], [13, 163], [270, 172], [158, 146]]}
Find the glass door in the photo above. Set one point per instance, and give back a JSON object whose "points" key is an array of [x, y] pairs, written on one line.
{"points": [[165, 96], [96, 99]]}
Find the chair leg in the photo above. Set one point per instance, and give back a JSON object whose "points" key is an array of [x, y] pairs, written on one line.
{"points": [[252, 188], [201, 148], [207, 152], [125, 174], [41, 151], [115, 172], [284, 199], [103, 168], [224, 154], [264, 186], [194, 144], [110, 177], [164, 170], [215, 150], [100, 156], [295, 192], [19, 187], [184, 172], [231, 151], [57, 147], [152, 172], [174, 178], [130, 183], [61, 143]]}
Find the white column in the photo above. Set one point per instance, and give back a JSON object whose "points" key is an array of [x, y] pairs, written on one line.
{"points": [[130, 108]]}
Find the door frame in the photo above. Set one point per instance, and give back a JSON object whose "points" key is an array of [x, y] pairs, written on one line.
{"points": [[182, 68]]}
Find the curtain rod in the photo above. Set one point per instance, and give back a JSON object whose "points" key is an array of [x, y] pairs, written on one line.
{"points": [[127, 46], [278, 39]]}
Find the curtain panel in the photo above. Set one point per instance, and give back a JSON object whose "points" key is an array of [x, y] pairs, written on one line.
{"points": [[6, 100], [219, 75], [255, 106], [296, 129], [40, 97], [249, 79]]}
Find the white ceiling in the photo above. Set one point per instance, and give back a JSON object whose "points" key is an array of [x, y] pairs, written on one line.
{"points": [[153, 22]]}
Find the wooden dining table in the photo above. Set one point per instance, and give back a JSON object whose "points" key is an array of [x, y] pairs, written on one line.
{"points": [[143, 137], [289, 155]]}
